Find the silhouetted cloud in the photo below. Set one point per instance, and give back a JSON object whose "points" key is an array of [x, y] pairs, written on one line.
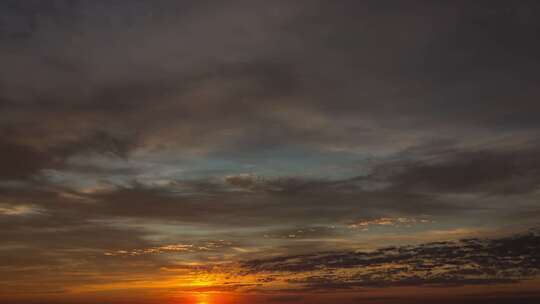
{"points": [[440, 264]]}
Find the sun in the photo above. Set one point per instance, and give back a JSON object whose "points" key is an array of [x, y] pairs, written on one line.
{"points": [[203, 299]]}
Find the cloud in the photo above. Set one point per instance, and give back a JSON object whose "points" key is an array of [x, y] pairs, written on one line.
{"points": [[438, 264], [150, 74], [500, 171], [20, 161], [173, 248], [20, 209], [311, 232], [389, 221]]}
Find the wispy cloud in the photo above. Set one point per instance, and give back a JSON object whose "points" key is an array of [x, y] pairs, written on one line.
{"points": [[19, 209], [173, 248], [364, 225]]}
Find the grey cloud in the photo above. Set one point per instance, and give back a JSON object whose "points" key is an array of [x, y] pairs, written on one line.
{"points": [[284, 185], [20, 161], [238, 208], [495, 171], [165, 88], [261, 201]]}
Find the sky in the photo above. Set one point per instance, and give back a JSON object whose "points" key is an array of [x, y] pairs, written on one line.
{"points": [[269, 151]]}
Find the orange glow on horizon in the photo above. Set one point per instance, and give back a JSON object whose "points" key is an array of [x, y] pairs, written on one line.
{"points": [[203, 299]]}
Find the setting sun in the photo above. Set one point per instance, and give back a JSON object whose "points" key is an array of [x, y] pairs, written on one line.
{"points": [[204, 298]]}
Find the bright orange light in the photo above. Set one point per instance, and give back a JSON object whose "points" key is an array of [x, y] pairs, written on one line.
{"points": [[203, 299]]}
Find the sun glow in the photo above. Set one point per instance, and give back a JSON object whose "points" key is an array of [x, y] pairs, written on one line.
{"points": [[204, 298], [203, 282]]}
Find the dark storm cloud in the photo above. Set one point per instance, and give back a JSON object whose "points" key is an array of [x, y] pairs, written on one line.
{"points": [[99, 142], [70, 95], [467, 262], [377, 62], [19, 161], [496, 171], [22, 161]]}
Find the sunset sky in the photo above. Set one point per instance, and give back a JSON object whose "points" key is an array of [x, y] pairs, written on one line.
{"points": [[269, 151]]}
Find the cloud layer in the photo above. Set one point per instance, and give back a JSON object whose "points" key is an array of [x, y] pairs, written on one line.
{"points": [[170, 133]]}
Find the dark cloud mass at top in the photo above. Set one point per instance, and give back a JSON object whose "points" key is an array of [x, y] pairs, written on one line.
{"points": [[279, 128]]}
